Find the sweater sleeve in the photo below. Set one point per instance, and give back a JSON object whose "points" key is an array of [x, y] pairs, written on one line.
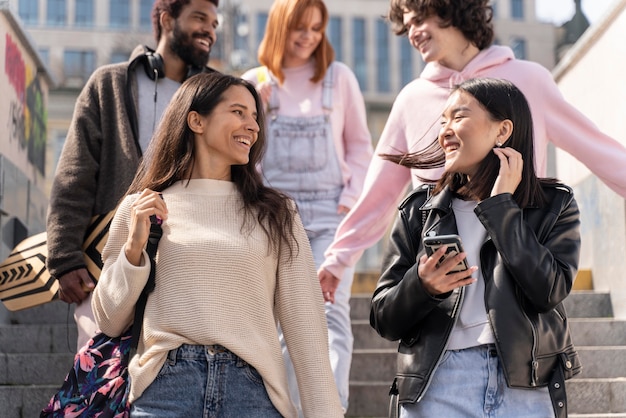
{"points": [[356, 138], [121, 283], [300, 311]]}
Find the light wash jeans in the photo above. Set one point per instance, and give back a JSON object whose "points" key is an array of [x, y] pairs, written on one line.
{"points": [[320, 220], [470, 383], [205, 381]]}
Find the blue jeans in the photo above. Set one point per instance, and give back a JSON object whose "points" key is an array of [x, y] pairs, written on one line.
{"points": [[205, 381], [470, 383]]}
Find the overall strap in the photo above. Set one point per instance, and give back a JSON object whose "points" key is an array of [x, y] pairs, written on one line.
{"points": [[327, 89], [274, 103]]}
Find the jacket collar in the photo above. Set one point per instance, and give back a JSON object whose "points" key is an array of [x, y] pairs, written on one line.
{"points": [[441, 201]]}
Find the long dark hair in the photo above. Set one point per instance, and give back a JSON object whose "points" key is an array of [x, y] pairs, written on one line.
{"points": [[171, 155], [502, 100]]}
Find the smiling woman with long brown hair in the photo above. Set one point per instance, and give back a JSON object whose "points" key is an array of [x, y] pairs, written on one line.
{"points": [[232, 262]]}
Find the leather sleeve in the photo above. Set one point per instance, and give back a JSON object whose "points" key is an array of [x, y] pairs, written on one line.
{"points": [[543, 263], [400, 302]]}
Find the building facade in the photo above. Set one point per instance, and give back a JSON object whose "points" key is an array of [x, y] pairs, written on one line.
{"points": [[598, 91]]}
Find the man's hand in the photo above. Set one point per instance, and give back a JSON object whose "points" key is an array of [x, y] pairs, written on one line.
{"points": [[329, 285], [75, 286]]}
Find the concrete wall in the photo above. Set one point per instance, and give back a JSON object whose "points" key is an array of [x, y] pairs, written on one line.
{"points": [[23, 104], [591, 77]]}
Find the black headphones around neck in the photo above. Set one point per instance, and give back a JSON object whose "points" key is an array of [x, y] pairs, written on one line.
{"points": [[153, 64]]}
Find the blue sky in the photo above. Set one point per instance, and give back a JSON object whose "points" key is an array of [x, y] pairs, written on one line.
{"points": [[560, 11]]}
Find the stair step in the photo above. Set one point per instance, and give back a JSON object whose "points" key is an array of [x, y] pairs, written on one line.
{"points": [[38, 338], [369, 399], [377, 365], [579, 304], [56, 312], [25, 400], [585, 332], [598, 362], [25, 369], [366, 337], [598, 331], [602, 361], [585, 396], [597, 396]]}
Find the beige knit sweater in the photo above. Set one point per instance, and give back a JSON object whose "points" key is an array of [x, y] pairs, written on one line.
{"points": [[217, 283]]}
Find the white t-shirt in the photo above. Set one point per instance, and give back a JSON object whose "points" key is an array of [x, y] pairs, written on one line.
{"points": [[153, 99]]}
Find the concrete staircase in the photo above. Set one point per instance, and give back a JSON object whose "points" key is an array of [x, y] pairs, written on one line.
{"points": [[598, 392], [36, 351]]}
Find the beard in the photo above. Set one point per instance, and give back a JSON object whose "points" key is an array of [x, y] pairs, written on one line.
{"points": [[183, 46]]}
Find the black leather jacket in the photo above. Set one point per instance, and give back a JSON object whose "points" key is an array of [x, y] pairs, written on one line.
{"points": [[529, 260]]}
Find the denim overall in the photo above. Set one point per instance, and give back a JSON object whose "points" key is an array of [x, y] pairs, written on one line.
{"points": [[301, 161]]}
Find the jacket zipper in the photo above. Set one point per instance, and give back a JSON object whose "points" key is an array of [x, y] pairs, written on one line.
{"points": [[534, 372], [457, 308]]}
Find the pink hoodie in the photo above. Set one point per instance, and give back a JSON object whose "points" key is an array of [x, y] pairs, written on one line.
{"points": [[414, 123]]}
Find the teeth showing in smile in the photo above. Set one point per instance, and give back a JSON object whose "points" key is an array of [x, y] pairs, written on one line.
{"points": [[244, 141], [451, 148]]}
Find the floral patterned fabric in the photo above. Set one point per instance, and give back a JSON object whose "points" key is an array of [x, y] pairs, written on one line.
{"points": [[97, 384]]}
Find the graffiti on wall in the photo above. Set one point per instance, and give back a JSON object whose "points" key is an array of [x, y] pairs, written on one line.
{"points": [[27, 115]]}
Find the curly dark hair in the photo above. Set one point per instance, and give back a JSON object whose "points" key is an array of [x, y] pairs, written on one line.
{"points": [[472, 17]]}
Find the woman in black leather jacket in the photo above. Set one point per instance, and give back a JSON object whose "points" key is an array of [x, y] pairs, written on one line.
{"points": [[473, 342]]}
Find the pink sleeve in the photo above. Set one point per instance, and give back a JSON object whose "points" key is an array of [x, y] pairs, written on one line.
{"points": [[567, 128], [385, 184]]}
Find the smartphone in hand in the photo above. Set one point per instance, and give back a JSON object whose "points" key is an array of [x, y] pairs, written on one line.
{"points": [[454, 246]]}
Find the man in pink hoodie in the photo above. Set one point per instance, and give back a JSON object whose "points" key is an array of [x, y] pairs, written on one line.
{"points": [[454, 38]]}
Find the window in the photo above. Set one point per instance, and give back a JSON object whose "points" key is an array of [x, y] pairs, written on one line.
{"points": [[84, 13], [56, 13], [334, 36], [28, 11], [119, 14], [261, 23], [406, 61], [145, 14], [517, 9], [360, 57], [44, 54], [383, 84], [518, 45], [79, 64]]}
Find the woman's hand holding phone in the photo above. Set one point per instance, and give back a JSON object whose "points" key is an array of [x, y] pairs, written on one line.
{"points": [[444, 267]]}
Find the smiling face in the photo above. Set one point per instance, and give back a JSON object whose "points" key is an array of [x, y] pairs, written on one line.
{"points": [[468, 133], [303, 40], [225, 136], [194, 32], [444, 45]]}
